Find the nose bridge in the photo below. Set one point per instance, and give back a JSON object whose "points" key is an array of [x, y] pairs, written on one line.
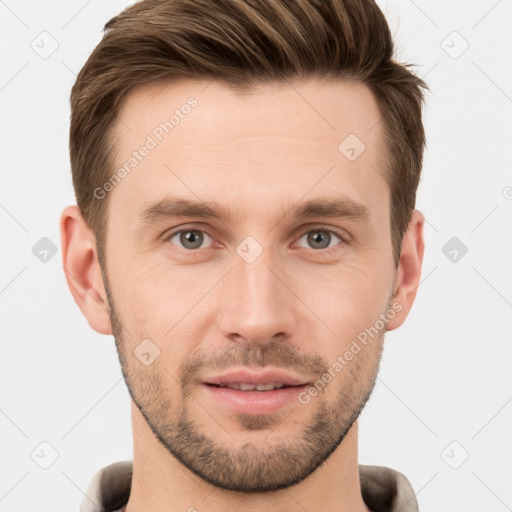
{"points": [[255, 304]]}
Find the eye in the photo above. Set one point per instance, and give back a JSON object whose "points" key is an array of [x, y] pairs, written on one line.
{"points": [[321, 238], [194, 239], [190, 239]]}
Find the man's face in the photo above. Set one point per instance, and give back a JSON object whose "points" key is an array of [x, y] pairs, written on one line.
{"points": [[261, 289]]}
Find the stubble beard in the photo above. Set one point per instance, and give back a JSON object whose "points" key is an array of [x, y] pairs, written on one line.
{"points": [[249, 467]]}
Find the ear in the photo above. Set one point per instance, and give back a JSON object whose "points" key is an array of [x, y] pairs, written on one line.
{"points": [[408, 274], [82, 269]]}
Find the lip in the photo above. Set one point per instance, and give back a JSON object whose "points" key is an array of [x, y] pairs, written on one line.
{"points": [[255, 402], [255, 378]]}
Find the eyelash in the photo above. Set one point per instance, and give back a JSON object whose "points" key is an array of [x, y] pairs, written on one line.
{"points": [[343, 238]]}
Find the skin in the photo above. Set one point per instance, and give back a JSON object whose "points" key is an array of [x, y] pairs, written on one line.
{"points": [[297, 306]]}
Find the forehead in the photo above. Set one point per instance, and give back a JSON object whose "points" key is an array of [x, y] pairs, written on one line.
{"points": [[278, 142], [335, 106]]}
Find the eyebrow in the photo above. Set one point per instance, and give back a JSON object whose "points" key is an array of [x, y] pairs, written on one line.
{"points": [[327, 207]]}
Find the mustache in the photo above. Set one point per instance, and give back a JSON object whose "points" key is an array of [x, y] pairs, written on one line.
{"points": [[278, 354]]}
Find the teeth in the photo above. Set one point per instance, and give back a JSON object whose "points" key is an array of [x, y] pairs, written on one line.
{"points": [[251, 387], [268, 387]]}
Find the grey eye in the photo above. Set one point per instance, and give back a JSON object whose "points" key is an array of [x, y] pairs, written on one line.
{"points": [[320, 238], [189, 238]]}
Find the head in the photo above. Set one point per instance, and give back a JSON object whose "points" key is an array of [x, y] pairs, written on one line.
{"points": [[299, 140]]}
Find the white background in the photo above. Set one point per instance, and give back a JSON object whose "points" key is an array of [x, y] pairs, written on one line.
{"points": [[445, 374]]}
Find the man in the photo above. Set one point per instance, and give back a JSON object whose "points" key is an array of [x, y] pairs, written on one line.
{"points": [[245, 174]]}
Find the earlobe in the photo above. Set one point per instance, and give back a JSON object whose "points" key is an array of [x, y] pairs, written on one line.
{"points": [[82, 269], [408, 273]]}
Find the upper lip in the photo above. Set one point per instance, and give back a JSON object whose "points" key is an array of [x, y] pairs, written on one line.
{"points": [[255, 378]]}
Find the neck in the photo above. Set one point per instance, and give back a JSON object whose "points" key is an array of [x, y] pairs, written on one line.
{"points": [[161, 483]]}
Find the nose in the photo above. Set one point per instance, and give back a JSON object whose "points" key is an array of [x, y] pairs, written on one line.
{"points": [[256, 303]]}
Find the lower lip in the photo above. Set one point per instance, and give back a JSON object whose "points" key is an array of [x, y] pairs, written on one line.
{"points": [[255, 402]]}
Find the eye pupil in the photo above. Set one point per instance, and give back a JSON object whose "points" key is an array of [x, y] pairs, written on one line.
{"points": [[195, 238], [316, 237]]}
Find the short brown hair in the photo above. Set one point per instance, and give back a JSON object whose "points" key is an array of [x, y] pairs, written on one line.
{"points": [[242, 43]]}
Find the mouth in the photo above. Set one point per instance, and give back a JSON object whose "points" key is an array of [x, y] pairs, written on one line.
{"points": [[244, 380], [243, 386], [255, 393]]}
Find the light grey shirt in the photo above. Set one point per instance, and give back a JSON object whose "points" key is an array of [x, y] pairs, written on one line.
{"points": [[383, 489]]}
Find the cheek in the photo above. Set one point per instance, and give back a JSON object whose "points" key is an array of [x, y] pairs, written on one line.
{"points": [[160, 303], [350, 305], [149, 294], [348, 298]]}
